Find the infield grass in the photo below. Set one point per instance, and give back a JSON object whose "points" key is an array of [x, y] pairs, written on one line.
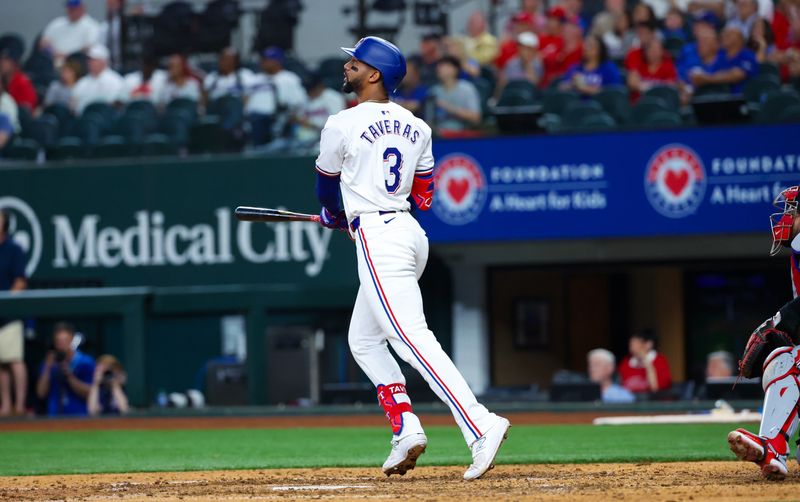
{"points": [[26, 453]]}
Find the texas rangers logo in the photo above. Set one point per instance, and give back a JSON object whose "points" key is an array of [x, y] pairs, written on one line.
{"points": [[25, 229], [675, 181], [460, 189]]}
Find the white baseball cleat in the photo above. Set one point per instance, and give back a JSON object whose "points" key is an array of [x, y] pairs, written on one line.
{"points": [[404, 454], [485, 448]]}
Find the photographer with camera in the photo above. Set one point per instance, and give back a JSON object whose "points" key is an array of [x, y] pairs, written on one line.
{"points": [[66, 375], [107, 393]]}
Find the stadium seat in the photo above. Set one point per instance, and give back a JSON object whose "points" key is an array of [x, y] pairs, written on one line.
{"points": [[157, 145], [299, 68], [133, 126], [91, 127], [646, 106], [576, 113], [22, 149], [145, 110], [597, 122], [790, 114], [769, 69], [519, 94], [176, 124], [105, 110], [488, 73], [66, 119], [111, 147], [206, 136], [756, 89], [185, 105], [668, 93], [615, 102], [663, 118], [485, 89], [67, 148], [775, 103], [712, 90], [229, 110], [43, 130], [555, 101]]}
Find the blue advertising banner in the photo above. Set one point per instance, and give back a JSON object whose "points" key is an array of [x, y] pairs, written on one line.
{"points": [[677, 182]]}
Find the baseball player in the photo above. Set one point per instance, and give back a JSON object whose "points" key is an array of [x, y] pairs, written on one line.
{"points": [[772, 353], [378, 154]]}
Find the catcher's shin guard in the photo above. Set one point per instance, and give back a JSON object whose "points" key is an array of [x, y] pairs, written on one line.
{"points": [[781, 395]]}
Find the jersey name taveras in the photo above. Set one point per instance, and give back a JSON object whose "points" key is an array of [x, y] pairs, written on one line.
{"points": [[377, 148]]}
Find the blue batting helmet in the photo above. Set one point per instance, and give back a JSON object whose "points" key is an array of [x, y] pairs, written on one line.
{"points": [[382, 55]]}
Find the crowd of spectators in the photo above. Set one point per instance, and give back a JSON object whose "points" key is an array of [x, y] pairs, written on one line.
{"points": [[691, 46]]}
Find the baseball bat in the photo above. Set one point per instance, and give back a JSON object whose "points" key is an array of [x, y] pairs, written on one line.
{"points": [[245, 213]]}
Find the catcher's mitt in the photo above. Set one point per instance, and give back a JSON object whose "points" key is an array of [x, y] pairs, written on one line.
{"points": [[764, 340]]}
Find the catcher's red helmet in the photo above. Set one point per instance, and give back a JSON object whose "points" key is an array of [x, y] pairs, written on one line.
{"points": [[781, 223]]}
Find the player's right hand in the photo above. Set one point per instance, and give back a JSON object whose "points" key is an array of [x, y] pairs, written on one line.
{"points": [[335, 222]]}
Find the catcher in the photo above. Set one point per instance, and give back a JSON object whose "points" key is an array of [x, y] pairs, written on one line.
{"points": [[772, 352]]}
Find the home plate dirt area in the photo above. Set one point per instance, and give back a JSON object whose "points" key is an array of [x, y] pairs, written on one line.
{"points": [[696, 481]]}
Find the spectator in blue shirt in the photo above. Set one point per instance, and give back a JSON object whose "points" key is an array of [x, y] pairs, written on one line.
{"points": [[412, 92], [734, 65], [66, 375], [601, 364], [594, 72]]}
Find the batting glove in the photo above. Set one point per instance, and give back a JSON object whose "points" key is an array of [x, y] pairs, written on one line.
{"points": [[328, 220]]}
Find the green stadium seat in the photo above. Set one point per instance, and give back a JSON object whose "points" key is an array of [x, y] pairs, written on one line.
{"points": [[184, 105], [616, 102], [22, 149], [176, 124], [756, 89], [104, 110], [712, 90], [790, 114], [774, 104], [155, 145], [91, 127], [769, 69], [646, 106], [145, 110], [555, 101], [663, 119], [518, 94], [111, 147], [668, 93], [597, 122], [577, 112], [67, 148], [206, 136], [64, 115], [485, 90], [43, 130]]}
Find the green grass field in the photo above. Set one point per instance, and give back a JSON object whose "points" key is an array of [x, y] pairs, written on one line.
{"points": [[25, 453]]}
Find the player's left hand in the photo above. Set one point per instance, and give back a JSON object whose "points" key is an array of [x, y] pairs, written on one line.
{"points": [[335, 222]]}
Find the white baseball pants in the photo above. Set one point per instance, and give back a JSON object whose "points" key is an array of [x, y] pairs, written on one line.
{"points": [[392, 252]]}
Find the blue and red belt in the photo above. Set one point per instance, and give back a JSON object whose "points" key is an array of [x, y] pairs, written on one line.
{"points": [[357, 220]]}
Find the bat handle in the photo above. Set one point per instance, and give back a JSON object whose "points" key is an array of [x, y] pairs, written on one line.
{"points": [[315, 218]]}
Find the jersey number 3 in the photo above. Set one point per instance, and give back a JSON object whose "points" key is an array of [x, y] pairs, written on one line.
{"points": [[392, 162]]}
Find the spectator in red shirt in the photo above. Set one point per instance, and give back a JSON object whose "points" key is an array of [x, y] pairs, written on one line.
{"points": [[644, 370], [786, 27], [556, 54], [645, 33], [520, 22], [537, 20], [656, 68], [18, 85]]}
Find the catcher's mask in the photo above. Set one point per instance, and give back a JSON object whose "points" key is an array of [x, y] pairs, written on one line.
{"points": [[781, 223]]}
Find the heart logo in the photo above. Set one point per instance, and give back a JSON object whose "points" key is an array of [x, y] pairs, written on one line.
{"points": [[676, 181], [458, 188]]}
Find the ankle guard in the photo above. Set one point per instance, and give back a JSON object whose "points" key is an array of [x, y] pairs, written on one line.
{"points": [[394, 410]]}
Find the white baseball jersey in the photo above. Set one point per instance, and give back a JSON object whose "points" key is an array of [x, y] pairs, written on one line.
{"points": [[377, 148]]}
